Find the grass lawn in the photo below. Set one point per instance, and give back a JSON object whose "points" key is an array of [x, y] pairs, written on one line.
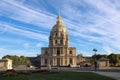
{"points": [[57, 76]]}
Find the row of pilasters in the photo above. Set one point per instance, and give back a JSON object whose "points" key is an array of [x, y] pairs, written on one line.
{"points": [[63, 51], [63, 61], [58, 61]]}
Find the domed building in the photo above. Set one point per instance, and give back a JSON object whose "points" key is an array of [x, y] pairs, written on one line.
{"points": [[58, 53]]}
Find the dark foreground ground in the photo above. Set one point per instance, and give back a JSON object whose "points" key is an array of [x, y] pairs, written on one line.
{"points": [[66, 75]]}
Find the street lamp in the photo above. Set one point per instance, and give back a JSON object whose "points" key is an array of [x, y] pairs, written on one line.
{"points": [[95, 50], [95, 62]]}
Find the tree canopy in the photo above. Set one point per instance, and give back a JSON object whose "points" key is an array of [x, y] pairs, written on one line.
{"points": [[113, 58], [18, 60]]}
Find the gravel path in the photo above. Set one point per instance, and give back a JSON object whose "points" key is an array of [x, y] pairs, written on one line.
{"points": [[115, 75]]}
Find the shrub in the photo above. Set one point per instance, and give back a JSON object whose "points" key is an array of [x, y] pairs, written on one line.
{"points": [[11, 70], [40, 71]]}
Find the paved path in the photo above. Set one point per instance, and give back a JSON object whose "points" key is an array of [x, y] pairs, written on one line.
{"points": [[115, 75], [109, 73]]}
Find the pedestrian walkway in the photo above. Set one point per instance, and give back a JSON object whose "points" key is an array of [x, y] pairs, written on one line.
{"points": [[115, 75]]}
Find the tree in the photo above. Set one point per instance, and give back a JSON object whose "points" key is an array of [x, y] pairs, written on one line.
{"points": [[18, 60], [114, 58]]}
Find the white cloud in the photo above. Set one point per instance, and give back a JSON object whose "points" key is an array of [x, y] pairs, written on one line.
{"points": [[25, 14], [106, 27], [26, 33], [103, 6], [2, 29], [39, 45], [5, 51], [107, 49], [98, 24], [1, 49], [26, 45]]}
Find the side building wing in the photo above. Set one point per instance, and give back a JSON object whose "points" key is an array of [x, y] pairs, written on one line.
{"points": [[44, 56]]}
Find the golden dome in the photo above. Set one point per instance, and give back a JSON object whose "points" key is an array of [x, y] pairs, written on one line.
{"points": [[59, 26]]}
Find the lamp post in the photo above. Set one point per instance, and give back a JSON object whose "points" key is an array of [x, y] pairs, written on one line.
{"points": [[95, 61]]}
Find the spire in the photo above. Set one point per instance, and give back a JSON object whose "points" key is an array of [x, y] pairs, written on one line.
{"points": [[59, 18], [59, 12]]}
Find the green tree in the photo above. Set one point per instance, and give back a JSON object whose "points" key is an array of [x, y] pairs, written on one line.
{"points": [[98, 56], [18, 60], [114, 59]]}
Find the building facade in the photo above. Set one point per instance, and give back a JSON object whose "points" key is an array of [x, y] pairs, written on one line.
{"points": [[103, 63], [58, 53], [5, 63], [83, 61]]}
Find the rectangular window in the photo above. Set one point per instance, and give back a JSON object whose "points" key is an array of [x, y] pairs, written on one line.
{"points": [[58, 52], [61, 41], [55, 41], [70, 52]]}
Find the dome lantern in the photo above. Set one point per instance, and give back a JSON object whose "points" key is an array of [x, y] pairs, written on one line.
{"points": [[59, 27], [59, 21]]}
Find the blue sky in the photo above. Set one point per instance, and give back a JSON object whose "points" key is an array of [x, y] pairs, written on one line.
{"points": [[25, 25]]}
